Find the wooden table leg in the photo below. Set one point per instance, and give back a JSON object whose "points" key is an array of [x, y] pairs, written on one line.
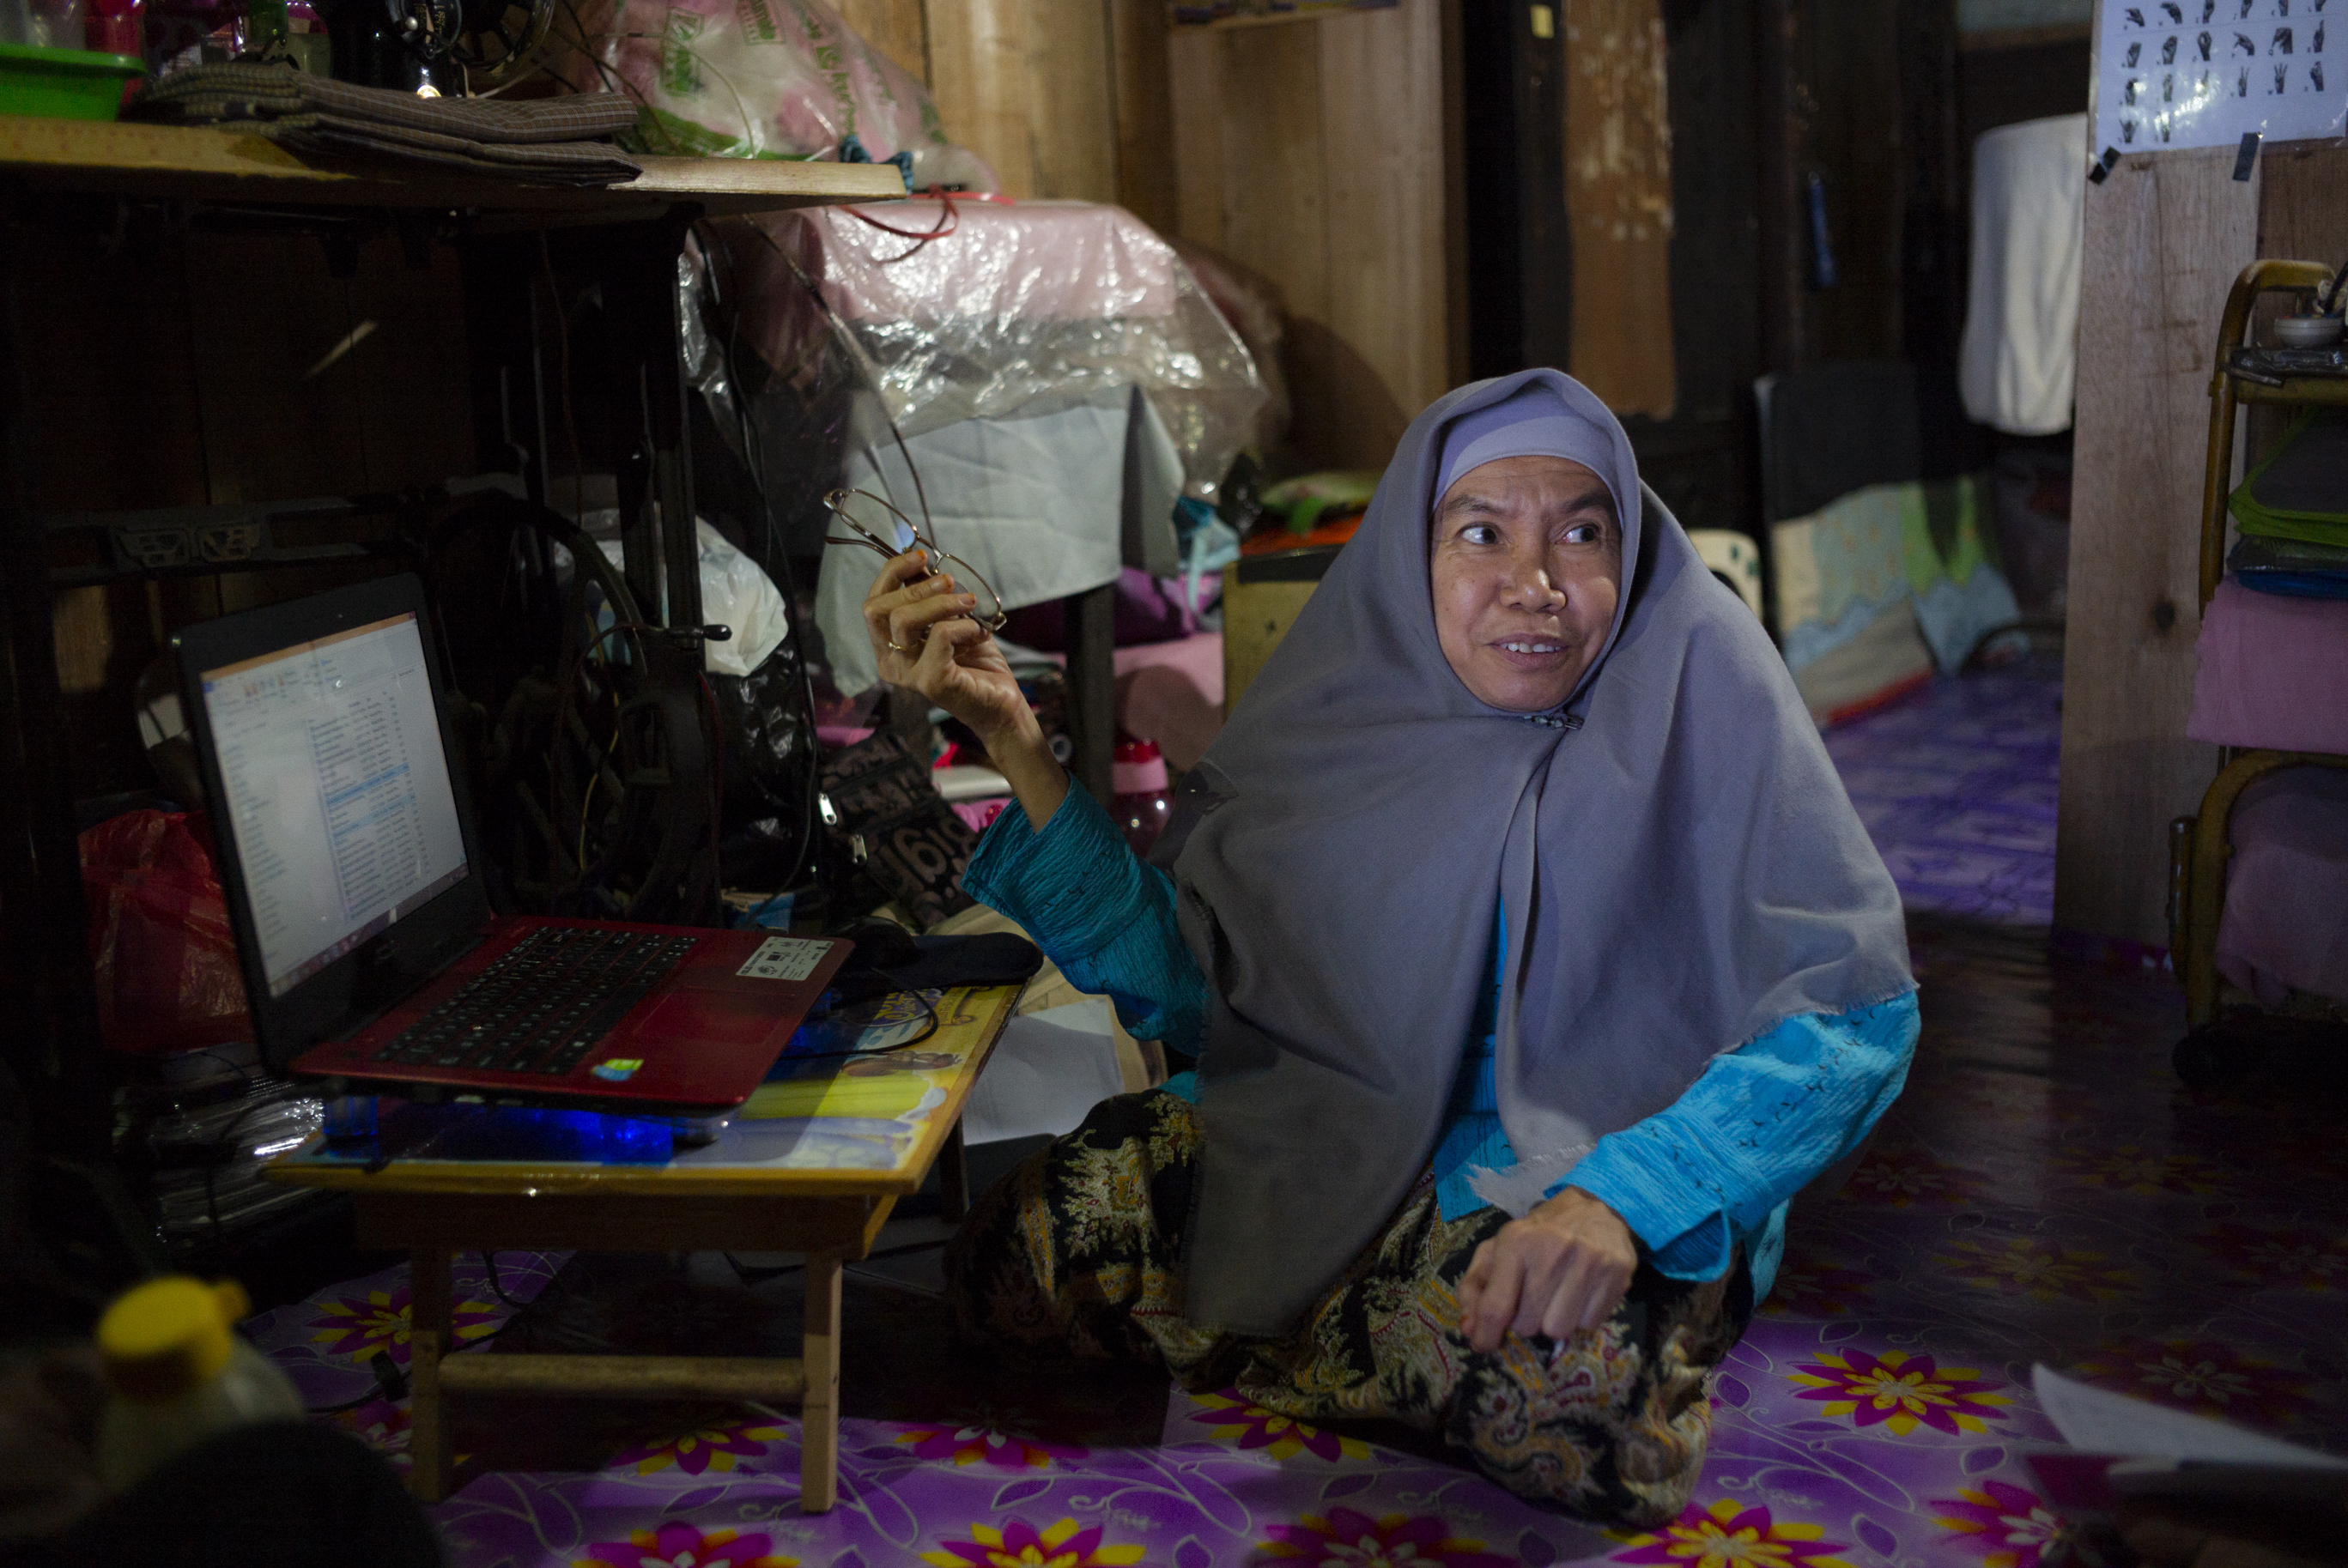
{"points": [[428, 1329], [954, 1178], [820, 1406]]}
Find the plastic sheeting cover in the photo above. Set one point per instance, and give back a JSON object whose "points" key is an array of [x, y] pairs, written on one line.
{"points": [[1015, 308]]}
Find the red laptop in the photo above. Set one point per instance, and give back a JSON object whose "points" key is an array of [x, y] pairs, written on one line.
{"points": [[349, 861]]}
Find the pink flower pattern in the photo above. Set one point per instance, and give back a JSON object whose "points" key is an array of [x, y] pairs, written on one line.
{"points": [[2295, 1256], [1900, 1392], [2204, 1376], [986, 1435], [358, 1328], [680, 1545], [699, 1449], [2042, 1270], [1903, 1177], [2010, 1527], [1233, 1420], [1016, 1543], [1729, 1535], [1344, 1539]]}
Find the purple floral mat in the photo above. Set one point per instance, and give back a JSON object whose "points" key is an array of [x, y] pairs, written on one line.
{"points": [[1956, 785], [2044, 1191]]}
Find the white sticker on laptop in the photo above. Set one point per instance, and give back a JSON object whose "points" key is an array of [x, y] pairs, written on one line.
{"points": [[785, 958]]}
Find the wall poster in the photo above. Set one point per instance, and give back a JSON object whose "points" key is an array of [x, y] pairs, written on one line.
{"points": [[2200, 72]]}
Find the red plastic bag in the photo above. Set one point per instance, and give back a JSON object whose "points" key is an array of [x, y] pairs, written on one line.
{"points": [[159, 942]]}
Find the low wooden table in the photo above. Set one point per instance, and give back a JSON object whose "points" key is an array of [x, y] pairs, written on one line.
{"points": [[814, 1163]]}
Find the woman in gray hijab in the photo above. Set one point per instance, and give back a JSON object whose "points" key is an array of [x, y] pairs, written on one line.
{"points": [[1530, 953]]}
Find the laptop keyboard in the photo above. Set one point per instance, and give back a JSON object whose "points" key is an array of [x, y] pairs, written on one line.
{"points": [[543, 1005]]}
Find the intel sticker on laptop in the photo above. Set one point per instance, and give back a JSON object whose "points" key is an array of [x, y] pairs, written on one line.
{"points": [[617, 1069], [784, 959]]}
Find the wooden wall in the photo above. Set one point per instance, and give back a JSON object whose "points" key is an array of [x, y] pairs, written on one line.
{"points": [[1618, 181], [1320, 154], [174, 367], [1064, 98], [1315, 152], [2166, 235]]}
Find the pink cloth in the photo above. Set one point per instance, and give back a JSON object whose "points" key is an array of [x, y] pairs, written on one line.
{"points": [[978, 813], [1172, 692], [2271, 672], [2285, 926]]}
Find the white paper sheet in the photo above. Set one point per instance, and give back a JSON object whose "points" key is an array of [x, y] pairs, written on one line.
{"points": [[1049, 1069], [2173, 74], [2096, 1421]]}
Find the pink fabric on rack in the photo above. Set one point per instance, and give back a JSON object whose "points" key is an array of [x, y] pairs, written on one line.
{"points": [[2270, 671], [2286, 922]]}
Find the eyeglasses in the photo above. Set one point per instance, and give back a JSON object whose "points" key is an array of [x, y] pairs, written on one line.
{"points": [[836, 504]]}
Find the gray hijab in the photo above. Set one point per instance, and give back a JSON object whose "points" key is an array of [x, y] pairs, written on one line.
{"points": [[1679, 867]]}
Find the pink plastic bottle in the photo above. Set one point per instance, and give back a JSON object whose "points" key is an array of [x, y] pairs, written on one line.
{"points": [[1143, 802]]}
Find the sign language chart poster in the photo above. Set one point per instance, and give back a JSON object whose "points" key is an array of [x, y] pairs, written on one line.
{"points": [[2201, 73]]}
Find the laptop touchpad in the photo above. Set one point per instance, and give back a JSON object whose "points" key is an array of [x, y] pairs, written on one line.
{"points": [[729, 1017]]}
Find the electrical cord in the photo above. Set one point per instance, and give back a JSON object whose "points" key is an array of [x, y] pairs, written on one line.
{"points": [[928, 1029], [489, 1271], [390, 1385], [949, 219], [711, 632], [778, 557]]}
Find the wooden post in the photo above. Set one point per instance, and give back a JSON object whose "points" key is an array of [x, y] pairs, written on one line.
{"points": [[429, 1324], [2165, 234], [819, 1409], [1091, 621], [954, 1178]]}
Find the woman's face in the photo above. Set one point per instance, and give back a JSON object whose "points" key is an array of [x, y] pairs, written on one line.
{"points": [[1527, 558]]}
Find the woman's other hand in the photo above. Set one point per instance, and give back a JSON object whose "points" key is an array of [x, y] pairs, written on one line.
{"points": [[924, 639], [1565, 1266]]}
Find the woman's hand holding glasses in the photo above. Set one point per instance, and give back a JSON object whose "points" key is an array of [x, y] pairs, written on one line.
{"points": [[925, 640]]}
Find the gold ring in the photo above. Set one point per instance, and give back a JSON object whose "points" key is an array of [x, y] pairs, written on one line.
{"points": [[902, 648]]}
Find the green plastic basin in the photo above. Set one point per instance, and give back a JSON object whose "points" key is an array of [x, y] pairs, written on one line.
{"points": [[64, 83]]}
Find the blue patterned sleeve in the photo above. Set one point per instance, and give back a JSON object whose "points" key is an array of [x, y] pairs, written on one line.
{"points": [[1099, 911], [1761, 1123]]}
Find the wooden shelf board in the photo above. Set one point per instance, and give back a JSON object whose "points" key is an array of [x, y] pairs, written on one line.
{"points": [[1274, 18], [188, 163], [2298, 391]]}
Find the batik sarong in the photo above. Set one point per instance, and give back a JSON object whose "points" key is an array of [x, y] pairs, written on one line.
{"points": [[1077, 1253]]}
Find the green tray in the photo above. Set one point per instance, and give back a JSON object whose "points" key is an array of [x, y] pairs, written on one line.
{"points": [[64, 83]]}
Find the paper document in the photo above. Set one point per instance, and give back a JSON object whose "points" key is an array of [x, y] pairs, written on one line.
{"points": [[1049, 1069], [2096, 1421]]}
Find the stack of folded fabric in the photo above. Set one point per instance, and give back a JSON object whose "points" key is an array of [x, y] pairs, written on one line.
{"points": [[2293, 510], [547, 140]]}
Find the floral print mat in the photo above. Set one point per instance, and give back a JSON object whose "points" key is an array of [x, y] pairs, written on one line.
{"points": [[2044, 1191], [1956, 785]]}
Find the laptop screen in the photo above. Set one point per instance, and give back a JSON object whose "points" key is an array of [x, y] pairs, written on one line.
{"points": [[335, 779]]}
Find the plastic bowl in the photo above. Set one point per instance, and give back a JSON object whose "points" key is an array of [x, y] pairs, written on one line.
{"points": [[64, 83], [2306, 331]]}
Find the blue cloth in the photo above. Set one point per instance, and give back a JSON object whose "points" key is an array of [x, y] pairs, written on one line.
{"points": [[1714, 1168]]}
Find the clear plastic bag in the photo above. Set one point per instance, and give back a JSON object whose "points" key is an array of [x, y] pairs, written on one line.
{"points": [[965, 309], [762, 78]]}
